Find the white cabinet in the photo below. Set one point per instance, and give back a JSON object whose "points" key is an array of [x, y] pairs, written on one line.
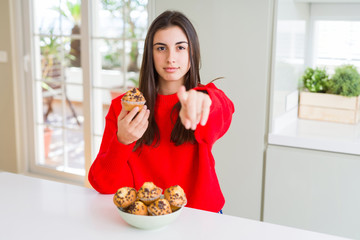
{"points": [[313, 190]]}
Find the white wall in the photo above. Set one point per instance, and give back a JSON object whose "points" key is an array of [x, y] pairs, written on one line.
{"points": [[234, 40]]}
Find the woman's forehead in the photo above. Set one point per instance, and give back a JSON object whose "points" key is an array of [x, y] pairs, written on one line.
{"points": [[170, 35]]}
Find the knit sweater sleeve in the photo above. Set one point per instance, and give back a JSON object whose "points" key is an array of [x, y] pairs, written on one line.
{"points": [[110, 169], [220, 116]]}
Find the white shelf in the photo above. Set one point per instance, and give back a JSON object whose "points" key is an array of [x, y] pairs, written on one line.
{"points": [[317, 135]]}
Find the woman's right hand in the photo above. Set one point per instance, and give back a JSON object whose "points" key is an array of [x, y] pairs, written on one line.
{"points": [[130, 129]]}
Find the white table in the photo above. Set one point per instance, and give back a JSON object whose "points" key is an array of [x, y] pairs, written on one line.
{"points": [[32, 208]]}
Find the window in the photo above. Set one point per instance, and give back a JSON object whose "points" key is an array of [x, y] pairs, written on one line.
{"points": [[311, 34], [82, 54], [345, 35]]}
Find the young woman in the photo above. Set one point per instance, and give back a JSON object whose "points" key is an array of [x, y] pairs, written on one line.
{"points": [[169, 141]]}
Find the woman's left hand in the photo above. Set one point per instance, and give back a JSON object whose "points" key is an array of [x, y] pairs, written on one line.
{"points": [[195, 107]]}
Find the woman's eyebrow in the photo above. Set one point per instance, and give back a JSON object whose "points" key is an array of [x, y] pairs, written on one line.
{"points": [[158, 43], [181, 42], [163, 44]]}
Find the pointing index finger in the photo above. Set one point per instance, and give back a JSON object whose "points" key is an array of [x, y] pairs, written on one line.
{"points": [[182, 94]]}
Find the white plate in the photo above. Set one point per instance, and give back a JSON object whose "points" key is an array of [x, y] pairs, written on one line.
{"points": [[149, 222]]}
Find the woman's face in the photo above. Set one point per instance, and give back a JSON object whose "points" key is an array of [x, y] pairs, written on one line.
{"points": [[171, 55]]}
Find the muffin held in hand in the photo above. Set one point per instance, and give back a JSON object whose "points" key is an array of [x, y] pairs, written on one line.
{"points": [[124, 197], [176, 197], [137, 208], [133, 98], [149, 192], [159, 207]]}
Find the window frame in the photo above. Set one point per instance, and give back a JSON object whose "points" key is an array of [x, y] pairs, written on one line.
{"points": [[28, 140]]}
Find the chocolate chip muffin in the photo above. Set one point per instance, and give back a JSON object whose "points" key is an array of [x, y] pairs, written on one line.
{"points": [[148, 193], [137, 208], [124, 197], [133, 98], [159, 207], [176, 197]]}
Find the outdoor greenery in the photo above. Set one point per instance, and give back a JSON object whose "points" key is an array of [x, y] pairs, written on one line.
{"points": [[50, 52], [72, 12], [127, 6]]}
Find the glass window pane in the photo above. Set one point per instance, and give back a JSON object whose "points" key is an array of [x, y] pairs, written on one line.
{"points": [[72, 52], [108, 66], [134, 52], [73, 75], [137, 18], [50, 57], [345, 35], [75, 152], [108, 19], [52, 101], [70, 17], [74, 106], [46, 16], [101, 104], [51, 147], [133, 59], [111, 52]]}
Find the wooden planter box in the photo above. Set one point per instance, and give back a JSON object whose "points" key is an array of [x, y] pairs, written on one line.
{"points": [[329, 107]]}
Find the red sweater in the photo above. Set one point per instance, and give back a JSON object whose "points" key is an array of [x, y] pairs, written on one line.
{"points": [[191, 166]]}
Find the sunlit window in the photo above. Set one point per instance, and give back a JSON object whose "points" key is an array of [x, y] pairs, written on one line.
{"points": [[117, 30], [336, 43]]}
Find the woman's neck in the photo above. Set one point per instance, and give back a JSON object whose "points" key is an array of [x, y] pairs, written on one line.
{"points": [[169, 87]]}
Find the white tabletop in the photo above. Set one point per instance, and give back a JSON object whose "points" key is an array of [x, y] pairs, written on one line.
{"points": [[32, 208]]}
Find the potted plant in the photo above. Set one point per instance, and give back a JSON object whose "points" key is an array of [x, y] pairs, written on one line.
{"points": [[331, 99], [345, 81], [315, 80]]}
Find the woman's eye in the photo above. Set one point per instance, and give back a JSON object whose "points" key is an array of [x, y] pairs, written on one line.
{"points": [[181, 48], [161, 48]]}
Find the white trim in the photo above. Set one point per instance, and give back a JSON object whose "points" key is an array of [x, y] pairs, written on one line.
{"points": [[86, 52], [272, 63], [19, 90]]}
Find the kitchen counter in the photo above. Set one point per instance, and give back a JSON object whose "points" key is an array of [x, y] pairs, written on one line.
{"points": [[32, 208]]}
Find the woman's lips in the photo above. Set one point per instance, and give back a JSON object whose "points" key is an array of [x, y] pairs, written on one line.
{"points": [[171, 69]]}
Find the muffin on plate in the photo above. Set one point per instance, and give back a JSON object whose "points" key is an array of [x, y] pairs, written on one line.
{"points": [[176, 197], [133, 98], [124, 197], [148, 193], [159, 207], [137, 208]]}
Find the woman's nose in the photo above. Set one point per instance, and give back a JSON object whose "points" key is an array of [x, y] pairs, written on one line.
{"points": [[171, 56]]}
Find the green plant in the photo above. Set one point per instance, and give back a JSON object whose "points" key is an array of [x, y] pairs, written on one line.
{"points": [[315, 80], [345, 81]]}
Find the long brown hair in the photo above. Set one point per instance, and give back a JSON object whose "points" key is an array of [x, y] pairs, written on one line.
{"points": [[149, 77]]}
